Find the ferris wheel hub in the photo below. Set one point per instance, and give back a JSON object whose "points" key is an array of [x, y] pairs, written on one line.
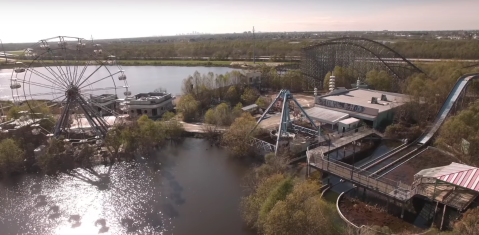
{"points": [[72, 92]]}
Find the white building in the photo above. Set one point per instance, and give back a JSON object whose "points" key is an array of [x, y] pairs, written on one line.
{"points": [[347, 124], [373, 107], [152, 104]]}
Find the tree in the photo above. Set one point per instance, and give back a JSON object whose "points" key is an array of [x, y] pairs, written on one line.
{"points": [[57, 158], [167, 116], [464, 126], [249, 95], [14, 112], [223, 115], [114, 140], [173, 130], [379, 80], [11, 157], [302, 212], [232, 95], [262, 102], [210, 116], [189, 107], [152, 133], [237, 111], [236, 137], [469, 224], [251, 205]]}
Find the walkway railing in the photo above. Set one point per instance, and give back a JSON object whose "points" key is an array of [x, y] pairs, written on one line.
{"points": [[305, 130], [262, 145], [383, 185]]}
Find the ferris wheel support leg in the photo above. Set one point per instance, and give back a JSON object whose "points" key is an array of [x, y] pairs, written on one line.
{"points": [[95, 121], [62, 120]]}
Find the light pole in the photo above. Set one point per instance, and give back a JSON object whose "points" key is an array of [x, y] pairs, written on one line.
{"points": [[4, 52]]}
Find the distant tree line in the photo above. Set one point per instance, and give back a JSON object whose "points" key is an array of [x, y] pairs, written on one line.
{"points": [[281, 50]]}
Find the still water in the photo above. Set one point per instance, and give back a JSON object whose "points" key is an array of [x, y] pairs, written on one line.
{"points": [[191, 188], [41, 82]]}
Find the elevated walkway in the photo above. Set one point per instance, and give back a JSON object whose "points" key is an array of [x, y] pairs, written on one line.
{"points": [[343, 139], [438, 191]]}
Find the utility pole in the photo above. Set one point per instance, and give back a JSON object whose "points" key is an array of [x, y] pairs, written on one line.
{"points": [[254, 46], [4, 52]]}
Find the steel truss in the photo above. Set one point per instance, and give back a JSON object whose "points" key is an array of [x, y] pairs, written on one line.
{"points": [[285, 97], [359, 54]]}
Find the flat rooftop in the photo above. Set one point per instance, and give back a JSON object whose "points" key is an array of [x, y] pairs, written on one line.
{"points": [[362, 97], [349, 121], [325, 115]]}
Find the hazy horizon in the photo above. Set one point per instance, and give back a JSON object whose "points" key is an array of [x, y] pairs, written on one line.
{"points": [[31, 20]]}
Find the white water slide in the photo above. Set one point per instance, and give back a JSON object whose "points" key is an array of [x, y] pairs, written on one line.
{"points": [[461, 84]]}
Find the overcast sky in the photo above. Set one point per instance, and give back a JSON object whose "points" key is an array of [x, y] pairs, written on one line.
{"points": [[31, 20]]}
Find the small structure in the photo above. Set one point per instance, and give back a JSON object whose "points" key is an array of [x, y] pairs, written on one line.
{"points": [[253, 78], [347, 124], [455, 185], [252, 108], [104, 104], [152, 104]]}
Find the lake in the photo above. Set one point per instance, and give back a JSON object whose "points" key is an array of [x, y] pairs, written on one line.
{"points": [[139, 79], [191, 188]]}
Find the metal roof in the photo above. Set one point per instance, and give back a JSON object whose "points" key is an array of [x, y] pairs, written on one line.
{"points": [[326, 115], [249, 107], [349, 121], [455, 173]]}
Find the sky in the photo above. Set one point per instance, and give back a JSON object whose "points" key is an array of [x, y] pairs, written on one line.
{"points": [[32, 20]]}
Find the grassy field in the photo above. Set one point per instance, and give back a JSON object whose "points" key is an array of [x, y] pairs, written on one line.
{"points": [[15, 52]]}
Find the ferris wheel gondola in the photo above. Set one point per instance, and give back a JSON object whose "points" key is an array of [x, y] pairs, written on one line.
{"points": [[65, 76]]}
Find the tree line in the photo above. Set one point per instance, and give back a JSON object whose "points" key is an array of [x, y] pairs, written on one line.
{"points": [[280, 50]]}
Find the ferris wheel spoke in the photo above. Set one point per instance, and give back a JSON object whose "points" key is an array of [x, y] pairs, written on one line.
{"points": [[40, 85], [57, 77], [63, 75], [86, 79], [53, 81], [82, 72], [85, 91], [101, 79], [38, 94]]}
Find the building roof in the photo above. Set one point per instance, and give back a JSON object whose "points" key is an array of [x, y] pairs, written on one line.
{"points": [[362, 97], [82, 123], [325, 115], [249, 107], [349, 121], [458, 174]]}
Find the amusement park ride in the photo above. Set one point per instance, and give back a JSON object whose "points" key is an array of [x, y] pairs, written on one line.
{"points": [[287, 131], [65, 74]]}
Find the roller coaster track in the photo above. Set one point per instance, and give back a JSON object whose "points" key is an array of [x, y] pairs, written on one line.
{"points": [[395, 158]]}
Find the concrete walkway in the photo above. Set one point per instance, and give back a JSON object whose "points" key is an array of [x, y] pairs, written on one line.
{"points": [[199, 127]]}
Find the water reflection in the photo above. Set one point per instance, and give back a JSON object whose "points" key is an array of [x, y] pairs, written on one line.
{"points": [[188, 190]]}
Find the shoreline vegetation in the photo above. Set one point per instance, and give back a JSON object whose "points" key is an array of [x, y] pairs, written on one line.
{"points": [[182, 63]]}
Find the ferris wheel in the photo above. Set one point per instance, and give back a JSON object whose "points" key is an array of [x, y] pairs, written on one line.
{"points": [[72, 78]]}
